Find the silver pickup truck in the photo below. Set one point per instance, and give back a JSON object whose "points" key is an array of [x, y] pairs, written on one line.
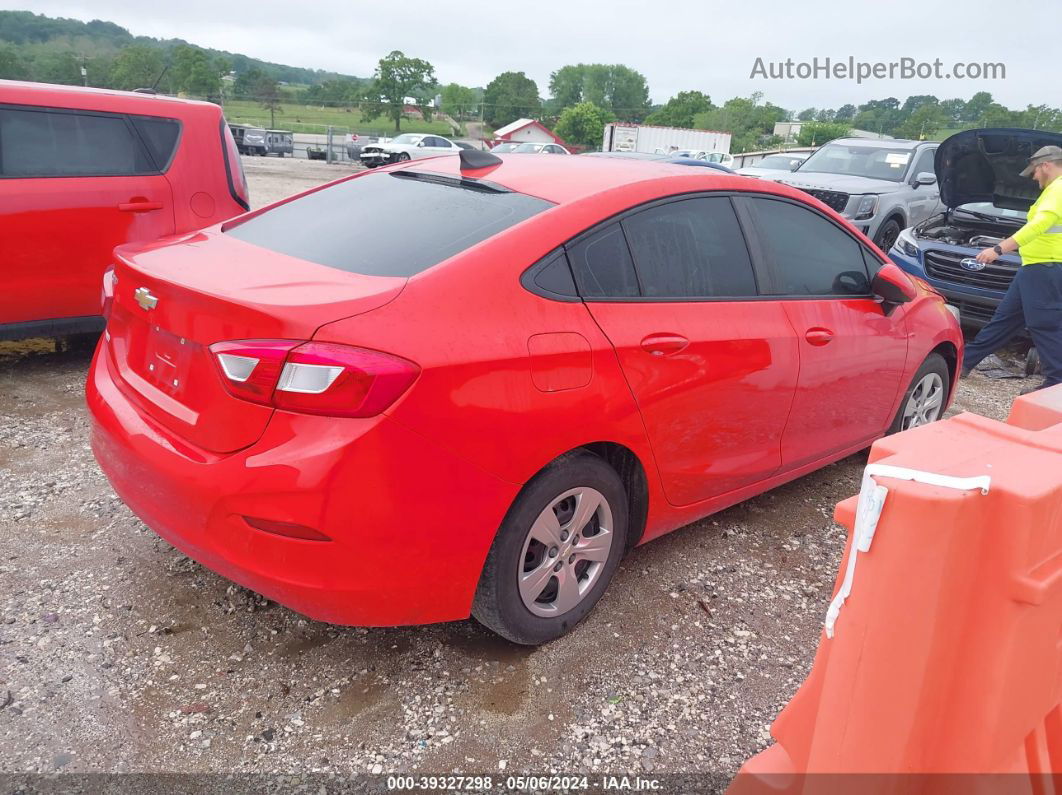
{"points": [[881, 186]]}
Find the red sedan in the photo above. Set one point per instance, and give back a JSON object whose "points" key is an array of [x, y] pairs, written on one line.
{"points": [[470, 385]]}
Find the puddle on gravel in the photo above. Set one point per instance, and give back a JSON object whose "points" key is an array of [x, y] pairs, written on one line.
{"points": [[298, 646], [359, 696]]}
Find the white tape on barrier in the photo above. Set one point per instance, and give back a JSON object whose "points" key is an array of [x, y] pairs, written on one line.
{"points": [[868, 511]]}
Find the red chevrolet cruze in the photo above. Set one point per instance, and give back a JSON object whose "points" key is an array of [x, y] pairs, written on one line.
{"points": [[470, 385]]}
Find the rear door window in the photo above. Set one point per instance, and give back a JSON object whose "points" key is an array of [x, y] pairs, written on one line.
{"points": [[808, 254], [388, 224], [691, 249], [60, 143]]}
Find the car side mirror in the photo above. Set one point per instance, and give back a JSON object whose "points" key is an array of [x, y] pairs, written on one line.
{"points": [[420, 144], [925, 178], [893, 287]]}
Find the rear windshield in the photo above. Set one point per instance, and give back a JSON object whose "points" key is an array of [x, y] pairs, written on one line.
{"points": [[389, 223]]}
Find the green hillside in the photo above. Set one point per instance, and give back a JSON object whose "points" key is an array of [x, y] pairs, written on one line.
{"points": [[37, 47]]}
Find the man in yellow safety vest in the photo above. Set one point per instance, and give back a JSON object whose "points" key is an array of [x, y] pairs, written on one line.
{"points": [[1034, 298]]}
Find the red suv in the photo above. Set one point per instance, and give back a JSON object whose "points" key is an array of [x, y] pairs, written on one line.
{"points": [[83, 170], [428, 390]]}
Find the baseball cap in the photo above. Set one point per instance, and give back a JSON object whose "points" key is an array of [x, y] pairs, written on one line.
{"points": [[1045, 154]]}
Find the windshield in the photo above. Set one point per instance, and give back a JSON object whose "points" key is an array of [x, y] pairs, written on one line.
{"points": [[406, 138], [987, 208], [777, 161], [504, 148], [529, 148], [872, 162], [362, 225]]}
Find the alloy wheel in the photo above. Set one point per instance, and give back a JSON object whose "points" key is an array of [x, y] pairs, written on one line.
{"points": [[565, 552], [925, 403]]}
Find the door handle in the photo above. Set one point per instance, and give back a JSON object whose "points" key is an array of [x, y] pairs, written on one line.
{"points": [[818, 336], [139, 207], [664, 344]]}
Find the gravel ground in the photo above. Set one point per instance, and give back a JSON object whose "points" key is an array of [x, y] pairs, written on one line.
{"points": [[117, 653], [273, 178]]}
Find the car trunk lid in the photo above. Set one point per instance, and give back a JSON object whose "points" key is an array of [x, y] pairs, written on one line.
{"points": [[172, 301]]}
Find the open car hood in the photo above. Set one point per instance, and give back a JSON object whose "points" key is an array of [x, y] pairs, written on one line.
{"points": [[985, 166]]}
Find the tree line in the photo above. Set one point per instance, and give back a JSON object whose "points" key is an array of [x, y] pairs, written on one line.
{"points": [[581, 99]]}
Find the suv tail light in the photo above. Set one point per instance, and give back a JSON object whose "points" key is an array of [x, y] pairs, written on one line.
{"points": [[234, 168], [313, 377]]}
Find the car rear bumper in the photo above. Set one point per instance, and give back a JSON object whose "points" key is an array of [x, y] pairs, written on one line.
{"points": [[410, 523]]}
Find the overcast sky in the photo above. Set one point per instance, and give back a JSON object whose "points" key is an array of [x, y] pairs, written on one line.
{"points": [[677, 44]]}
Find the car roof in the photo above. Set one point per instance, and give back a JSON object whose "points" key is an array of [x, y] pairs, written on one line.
{"points": [[17, 92], [569, 179]]}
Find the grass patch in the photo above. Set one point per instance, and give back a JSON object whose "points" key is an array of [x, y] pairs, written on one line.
{"points": [[314, 119]]}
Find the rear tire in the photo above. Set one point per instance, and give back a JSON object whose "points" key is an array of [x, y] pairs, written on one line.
{"points": [[926, 396], [555, 552]]}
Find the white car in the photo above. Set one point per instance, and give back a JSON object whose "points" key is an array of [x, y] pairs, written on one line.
{"points": [[774, 165], [408, 146], [540, 149], [722, 158]]}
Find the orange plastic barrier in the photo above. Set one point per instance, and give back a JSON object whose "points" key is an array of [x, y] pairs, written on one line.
{"points": [[946, 657]]}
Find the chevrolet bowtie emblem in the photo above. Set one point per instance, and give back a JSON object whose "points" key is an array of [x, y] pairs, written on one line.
{"points": [[144, 297]]}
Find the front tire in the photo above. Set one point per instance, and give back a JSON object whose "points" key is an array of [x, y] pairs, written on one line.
{"points": [[403, 156], [555, 552], [926, 397], [886, 236]]}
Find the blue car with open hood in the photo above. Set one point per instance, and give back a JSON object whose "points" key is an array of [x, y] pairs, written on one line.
{"points": [[985, 199]]}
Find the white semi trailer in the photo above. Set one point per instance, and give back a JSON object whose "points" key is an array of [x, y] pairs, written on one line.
{"points": [[667, 140]]}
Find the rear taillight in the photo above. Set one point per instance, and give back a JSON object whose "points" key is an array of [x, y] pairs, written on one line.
{"points": [[107, 292], [313, 377], [250, 368]]}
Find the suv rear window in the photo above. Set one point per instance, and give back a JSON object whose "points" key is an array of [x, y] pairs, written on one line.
{"points": [[62, 143], [161, 136], [388, 224]]}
